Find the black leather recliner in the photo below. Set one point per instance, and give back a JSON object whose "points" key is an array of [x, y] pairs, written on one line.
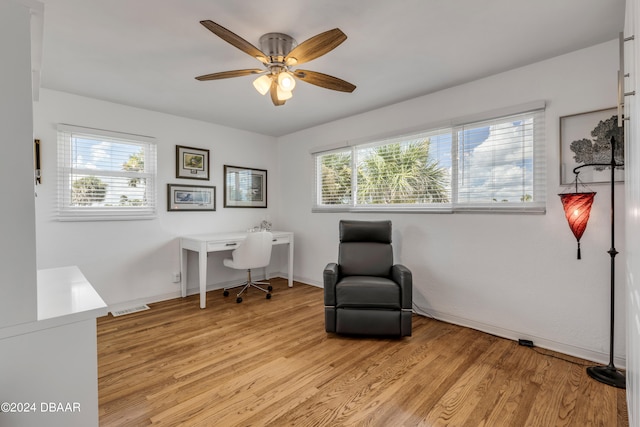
{"points": [[364, 292]]}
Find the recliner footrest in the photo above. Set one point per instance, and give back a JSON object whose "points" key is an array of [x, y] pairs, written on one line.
{"points": [[368, 322]]}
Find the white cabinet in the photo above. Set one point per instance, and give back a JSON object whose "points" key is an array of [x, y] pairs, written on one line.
{"points": [[49, 368]]}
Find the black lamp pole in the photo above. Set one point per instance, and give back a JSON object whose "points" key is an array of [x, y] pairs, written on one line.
{"points": [[609, 374]]}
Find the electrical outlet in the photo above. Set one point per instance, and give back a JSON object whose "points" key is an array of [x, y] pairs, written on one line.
{"points": [[176, 277]]}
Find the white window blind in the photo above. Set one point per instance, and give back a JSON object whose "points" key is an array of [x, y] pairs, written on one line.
{"points": [[333, 177], [501, 164], [104, 175], [404, 172], [482, 165]]}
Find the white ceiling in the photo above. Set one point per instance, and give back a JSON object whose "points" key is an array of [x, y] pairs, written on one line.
{"points": [[146, 53]]}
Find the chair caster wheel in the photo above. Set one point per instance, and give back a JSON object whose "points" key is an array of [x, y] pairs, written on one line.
{"points": [[225, 293], [239, 300], [270, 288], [268, 296]]}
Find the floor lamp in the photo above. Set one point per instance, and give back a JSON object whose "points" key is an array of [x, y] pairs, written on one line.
{"points": [[577, 207]]}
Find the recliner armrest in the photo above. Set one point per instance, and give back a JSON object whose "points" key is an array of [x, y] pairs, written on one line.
{"points": [[330, 277], [403, 277]]}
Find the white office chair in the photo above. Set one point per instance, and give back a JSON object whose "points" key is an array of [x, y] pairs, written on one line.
{"points": [[253, 252]]}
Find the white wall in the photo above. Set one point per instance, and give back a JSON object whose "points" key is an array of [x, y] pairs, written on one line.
{"points": [[512, 275], [17, 244], [632, 179], [134, 260]]}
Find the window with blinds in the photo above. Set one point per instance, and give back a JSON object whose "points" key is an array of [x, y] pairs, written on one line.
{"points": [[501, 164], [492, 164], [333, 178], [104, 175]]}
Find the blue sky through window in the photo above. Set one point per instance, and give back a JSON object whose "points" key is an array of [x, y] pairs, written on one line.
{"points": [[100, 154], [496, 162], [105, 158]]}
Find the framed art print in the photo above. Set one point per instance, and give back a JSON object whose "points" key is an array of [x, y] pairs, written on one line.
{"points": [[192, 163], [586, 138], [245, 187], [191, 198]]}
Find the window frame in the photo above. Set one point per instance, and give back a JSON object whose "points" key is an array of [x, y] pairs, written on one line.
{"points": [[536, 111], [66, 168]]}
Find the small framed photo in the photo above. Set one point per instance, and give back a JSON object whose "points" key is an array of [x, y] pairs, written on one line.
{"points": [[245, 187], [191, 198], [586, 138], [192, 163]]}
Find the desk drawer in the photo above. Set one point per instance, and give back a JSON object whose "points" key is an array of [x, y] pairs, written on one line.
{"points": [[228, 245], [280, 240], [223, 246]]}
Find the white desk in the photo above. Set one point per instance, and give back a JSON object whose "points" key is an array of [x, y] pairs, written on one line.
{"points": [[215, 242]]}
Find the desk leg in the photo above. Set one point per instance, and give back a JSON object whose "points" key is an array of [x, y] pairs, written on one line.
{"points": [[202, 264], [290, 263], [183, 271]]}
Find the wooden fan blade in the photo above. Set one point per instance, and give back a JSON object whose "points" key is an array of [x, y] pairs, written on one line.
{"points": [[234, 39], [273, 91], [229, 74], [324, 80], [315, 47]]}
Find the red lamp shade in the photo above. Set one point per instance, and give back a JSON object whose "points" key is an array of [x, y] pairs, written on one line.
{"points": [[577, 207]]}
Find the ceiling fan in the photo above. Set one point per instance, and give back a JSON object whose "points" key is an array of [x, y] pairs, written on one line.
{"points": [[279, 53]]}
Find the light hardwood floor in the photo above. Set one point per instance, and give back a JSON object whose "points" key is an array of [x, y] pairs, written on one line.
{"points": [[270, 362]]}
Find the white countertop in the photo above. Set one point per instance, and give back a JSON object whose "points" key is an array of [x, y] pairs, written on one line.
{"points": [[64, 296], [65, 291]]}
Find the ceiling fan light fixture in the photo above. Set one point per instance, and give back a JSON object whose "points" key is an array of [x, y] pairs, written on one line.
{"points": [[286, 81], [278, 53], [262, 84], [283, 95]]}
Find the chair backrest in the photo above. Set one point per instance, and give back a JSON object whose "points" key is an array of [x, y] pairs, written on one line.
{"points": [[254, 251], [365, 248]]}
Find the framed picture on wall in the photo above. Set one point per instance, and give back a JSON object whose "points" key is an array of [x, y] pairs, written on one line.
{"points": [[245, 187], [586, 138], [191, 198], [192, 163]]}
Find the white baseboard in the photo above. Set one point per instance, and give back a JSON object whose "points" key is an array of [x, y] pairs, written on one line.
{"points": [[571, 350], [177, 294], [308, 281], [142, 301]]}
